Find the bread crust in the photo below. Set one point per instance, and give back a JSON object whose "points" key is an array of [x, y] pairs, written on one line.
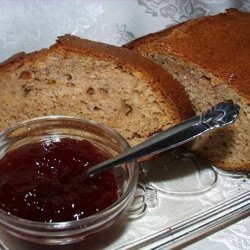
{"points": [[242, 168], [220, 45], [160, 80]]}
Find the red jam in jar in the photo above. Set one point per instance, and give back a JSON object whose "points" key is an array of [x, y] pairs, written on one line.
{"points": [[46, 181]]}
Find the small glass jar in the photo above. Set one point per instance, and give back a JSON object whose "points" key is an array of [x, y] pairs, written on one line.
{"points": [[58, 233]]}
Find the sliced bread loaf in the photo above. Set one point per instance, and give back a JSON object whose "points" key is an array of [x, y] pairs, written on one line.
{"points": [[210, 56], [96, 81]]}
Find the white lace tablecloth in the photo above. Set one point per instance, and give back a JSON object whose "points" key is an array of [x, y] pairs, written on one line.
{"points": [[31, 25]]}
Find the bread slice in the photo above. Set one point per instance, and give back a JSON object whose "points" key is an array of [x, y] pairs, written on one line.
{"points": [[210, 56], [108, 84]]}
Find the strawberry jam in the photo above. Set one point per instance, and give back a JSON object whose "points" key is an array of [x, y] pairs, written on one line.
{"points": [[46, 181]]}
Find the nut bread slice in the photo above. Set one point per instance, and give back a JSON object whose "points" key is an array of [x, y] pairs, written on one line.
{"points": [[210, 57], [108, 84]]}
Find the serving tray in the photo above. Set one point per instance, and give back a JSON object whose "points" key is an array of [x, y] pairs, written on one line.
{"points": [[179, 197]]}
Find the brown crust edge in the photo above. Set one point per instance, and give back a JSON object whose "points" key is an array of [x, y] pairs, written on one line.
{"points": [[142, 44], [133, 45], [244, 168]]}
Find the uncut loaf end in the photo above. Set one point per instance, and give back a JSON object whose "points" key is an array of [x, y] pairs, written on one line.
{"points": [[210, 57], [100, 82]]}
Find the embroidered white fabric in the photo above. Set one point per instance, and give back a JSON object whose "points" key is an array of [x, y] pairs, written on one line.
{"points": [[31, 25]]}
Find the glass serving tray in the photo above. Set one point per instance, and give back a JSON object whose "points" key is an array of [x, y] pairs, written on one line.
{"points": [[179, 197]]}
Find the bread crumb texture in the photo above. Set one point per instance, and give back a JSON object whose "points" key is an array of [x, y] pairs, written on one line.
{"points": [[95, 81]]}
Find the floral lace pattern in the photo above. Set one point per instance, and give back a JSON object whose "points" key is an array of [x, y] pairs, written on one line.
{"points": [[177, 10], [236, 237]]}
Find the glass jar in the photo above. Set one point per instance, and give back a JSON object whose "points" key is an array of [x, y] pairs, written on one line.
{"points": [[58, 233]]}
